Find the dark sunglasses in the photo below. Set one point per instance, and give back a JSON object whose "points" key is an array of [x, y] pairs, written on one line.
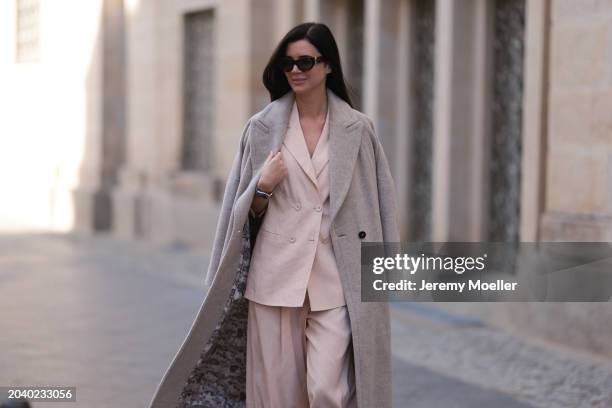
{"points": [[304, 63]]}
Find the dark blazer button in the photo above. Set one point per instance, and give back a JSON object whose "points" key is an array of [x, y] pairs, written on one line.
{"points": [[362, 234]]}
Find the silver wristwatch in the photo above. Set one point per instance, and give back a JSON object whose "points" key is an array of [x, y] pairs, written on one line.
{"points": [[263, 194]]}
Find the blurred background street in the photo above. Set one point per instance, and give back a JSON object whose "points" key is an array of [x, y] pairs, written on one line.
{"points": [[107, 316]]}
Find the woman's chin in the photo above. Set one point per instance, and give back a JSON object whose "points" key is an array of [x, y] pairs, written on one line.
{"points": [[301, 88], [298, 87]]}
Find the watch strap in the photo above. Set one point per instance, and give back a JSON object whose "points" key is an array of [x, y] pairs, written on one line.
{"points": [[261, 193]]}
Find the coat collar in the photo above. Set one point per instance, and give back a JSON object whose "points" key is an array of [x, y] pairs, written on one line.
{"points": [[344, 140]]}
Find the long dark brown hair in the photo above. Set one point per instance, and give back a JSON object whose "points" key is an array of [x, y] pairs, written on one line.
{"points": [[322, 38]]}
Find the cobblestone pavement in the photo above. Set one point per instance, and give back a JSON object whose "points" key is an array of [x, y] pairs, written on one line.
{"points": [[107, 317], [464, 350]]}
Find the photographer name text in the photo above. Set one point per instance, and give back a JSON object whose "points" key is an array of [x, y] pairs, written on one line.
{"points": [[424, 285]]}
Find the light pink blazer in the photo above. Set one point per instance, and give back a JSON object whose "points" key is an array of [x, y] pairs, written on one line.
{"points": [[293, 252]]}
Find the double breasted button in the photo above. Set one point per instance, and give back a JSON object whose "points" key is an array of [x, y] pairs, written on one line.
{"points": [[318, 208], [362, 234], [292, 240], [298, 206]]}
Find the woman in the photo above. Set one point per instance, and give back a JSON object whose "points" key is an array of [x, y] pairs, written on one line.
{"points": [[283, 324]]}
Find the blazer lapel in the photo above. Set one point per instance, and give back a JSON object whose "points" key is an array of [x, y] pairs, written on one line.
{"points": [[320, 156], [296, 144], [344, 140]]}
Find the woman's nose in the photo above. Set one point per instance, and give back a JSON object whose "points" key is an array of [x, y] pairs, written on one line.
{"points": [[295, 68]]}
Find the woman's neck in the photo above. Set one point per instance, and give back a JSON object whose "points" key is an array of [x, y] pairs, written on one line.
{"points": [[312, 105]]}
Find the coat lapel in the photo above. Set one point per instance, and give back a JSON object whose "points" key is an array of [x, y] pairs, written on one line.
{"points": [[344, 141]]}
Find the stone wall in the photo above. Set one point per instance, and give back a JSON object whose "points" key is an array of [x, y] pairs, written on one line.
{"points": [[579, 159], [578, 170]]}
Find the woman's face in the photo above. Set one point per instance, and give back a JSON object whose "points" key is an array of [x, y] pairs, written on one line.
{"points": [[304, 82]]}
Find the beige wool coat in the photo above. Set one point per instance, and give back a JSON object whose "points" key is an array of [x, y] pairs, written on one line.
{"points": [[209, 370]]}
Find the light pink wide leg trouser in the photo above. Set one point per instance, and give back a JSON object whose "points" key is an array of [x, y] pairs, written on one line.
{"points": [[299, 358]]}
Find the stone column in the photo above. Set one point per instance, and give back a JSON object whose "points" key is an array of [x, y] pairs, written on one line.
{"points": [[260, 41], [346, 20], [535, 125], [403, 176], [312, 10], [288, 14], [105, 147], [462, 77], [383, 99], [578, 204], [129, 203], [371, 58], [407, 82]]}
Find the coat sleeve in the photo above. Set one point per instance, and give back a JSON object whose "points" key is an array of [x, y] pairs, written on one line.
{"points": [[387, 194], [239, 165]]}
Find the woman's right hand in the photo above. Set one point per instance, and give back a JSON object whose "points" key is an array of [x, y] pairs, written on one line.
{"points": [[273, 172]]}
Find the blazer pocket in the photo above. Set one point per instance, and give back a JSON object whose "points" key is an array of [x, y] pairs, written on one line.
{"points": [[272, 236]]}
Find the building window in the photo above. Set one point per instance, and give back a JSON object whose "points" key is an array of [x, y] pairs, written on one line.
{"points": [[28, 22], [198, 88]]}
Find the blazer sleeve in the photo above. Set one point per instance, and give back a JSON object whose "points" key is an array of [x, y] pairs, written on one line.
{"points": [[387, 194], [240, 164]]}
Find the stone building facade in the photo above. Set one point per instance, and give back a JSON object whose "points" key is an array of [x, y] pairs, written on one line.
{"points": [[495, 115]]}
